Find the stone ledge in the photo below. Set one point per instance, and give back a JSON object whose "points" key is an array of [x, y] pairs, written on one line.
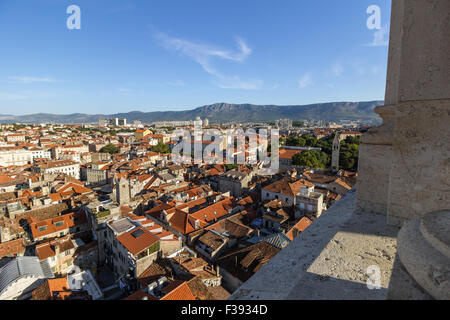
{"points": [[329, 259]]}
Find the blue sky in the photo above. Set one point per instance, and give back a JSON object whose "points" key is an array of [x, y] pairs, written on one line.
{"points": [[156, 55]]}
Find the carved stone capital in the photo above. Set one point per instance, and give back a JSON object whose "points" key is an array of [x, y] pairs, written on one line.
{"points": [[382, 134]]}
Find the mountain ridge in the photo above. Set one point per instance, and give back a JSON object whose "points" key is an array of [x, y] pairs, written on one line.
{"points": [[222, 112]]}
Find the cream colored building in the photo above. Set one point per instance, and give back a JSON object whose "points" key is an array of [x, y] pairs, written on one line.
{"points": [[14, 156], [68, 167], [15, 138]]}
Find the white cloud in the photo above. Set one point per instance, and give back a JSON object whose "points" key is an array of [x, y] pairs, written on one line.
{"points": [[125, 90], [305, 81], [11, 96], [27, 80], [337, 69], [176, 83], [274, 87], [380, 37], [204, 54], [376, 70], [237, 83]]}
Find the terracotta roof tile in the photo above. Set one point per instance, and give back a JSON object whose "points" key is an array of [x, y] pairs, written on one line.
{"points": [[137, 240], [11, 248]]}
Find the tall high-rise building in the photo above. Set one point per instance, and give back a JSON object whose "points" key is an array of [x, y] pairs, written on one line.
{"points": [[284, 124]]}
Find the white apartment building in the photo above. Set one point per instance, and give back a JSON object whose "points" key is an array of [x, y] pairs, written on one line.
{"points": [[68, 167], [78, 149], [15, 138], [13, 156], [309, 201], [130, 245], [39, 153]]}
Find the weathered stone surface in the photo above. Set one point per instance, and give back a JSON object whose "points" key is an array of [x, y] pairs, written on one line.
{"points": [[435, 227], [395, 50], [375, 159], [329, 260], [373, 178], [424, 72], [427, 261], [419, 173], [403, 287]]}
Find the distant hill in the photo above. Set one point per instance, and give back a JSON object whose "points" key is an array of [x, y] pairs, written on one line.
{"points": [[223, 112]]}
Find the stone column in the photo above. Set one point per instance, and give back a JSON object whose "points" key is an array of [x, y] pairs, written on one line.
{"points": [[375, 155], [419, 181], [419, 176]]}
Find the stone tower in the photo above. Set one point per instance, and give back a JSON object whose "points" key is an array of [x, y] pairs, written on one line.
{"points": [[123, 191], [335, 151]]}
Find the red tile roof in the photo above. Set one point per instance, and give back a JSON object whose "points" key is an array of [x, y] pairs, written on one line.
{"points": [[136, 244], [177, 290], [288, 154], [69, 220], [288, 186], [300, 226], [11, 247]]}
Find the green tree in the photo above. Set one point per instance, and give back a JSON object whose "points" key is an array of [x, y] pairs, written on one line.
{"points": [[348, 156], [353, 140], [312, 158], [110, 148], [311, 141], [296, 142], [161, 148], [169, 129], [231, 166]]}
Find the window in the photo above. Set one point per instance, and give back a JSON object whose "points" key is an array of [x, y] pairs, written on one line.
{"points": [[142, 254], [42, 228]]}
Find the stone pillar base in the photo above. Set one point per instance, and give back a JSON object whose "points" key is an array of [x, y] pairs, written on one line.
{"points": [[424, 250]]}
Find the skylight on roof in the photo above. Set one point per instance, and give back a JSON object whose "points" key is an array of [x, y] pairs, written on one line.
{"points": [[137, 233]]}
